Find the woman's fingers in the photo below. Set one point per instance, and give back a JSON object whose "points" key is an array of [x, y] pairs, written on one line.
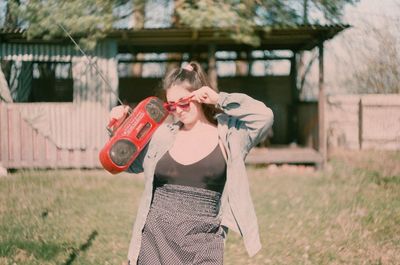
{"points": [[200, 98], [205, 95], [118, 112]]}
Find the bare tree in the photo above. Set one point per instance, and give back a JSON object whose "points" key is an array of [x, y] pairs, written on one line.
{"points": [[138, 23], [380, 70], [369, 59]]}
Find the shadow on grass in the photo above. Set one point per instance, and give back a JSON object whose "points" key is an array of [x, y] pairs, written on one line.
{"points": [[75, 252], [41, 250]]}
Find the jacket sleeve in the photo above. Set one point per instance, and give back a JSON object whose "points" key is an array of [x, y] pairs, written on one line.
{"points": [[252, 115]]}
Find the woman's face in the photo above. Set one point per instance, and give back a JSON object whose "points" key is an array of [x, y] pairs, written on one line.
{"points": [[187, 115]]}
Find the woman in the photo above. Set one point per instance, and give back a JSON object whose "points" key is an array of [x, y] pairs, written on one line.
{"points": [[196, 185]]}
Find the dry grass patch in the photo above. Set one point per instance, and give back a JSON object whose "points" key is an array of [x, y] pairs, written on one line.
{"points": [[348, 214]]}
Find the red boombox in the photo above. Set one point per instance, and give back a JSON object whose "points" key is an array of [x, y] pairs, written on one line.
{"points": [[129, 139]]}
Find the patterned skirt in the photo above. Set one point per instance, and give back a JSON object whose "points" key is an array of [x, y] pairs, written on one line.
{"points": [[182, 228]]}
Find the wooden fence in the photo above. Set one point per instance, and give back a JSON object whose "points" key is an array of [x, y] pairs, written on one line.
{"points": [[364, 121]]}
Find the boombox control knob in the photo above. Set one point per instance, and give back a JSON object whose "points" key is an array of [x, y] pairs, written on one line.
{"points": [[156, 110]]}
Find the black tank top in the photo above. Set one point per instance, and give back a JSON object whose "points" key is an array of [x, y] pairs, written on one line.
{"points": [[207, 173]]}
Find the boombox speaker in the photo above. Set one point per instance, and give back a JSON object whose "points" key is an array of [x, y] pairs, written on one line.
{"points": [[129, 139]]}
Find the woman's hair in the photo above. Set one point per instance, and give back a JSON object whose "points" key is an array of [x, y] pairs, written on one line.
{"points": [[192, 77]]}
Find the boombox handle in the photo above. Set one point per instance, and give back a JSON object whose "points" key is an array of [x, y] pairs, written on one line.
{"points": [[116, 123]]}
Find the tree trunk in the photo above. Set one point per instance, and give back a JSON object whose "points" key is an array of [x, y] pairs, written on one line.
{"points": [[305, 11], [175, 24], [11, 20], [138, 23]]}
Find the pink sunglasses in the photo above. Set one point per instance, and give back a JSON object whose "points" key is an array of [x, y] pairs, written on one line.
{"points": [[183, 103]]}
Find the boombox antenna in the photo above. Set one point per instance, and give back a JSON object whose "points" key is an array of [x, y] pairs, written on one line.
{"points": [[91, 63]]}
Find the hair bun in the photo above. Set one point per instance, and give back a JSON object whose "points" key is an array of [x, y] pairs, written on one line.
{"points": [[194, 66], [188, 67]]}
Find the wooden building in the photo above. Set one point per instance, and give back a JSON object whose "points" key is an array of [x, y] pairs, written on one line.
{"points": [[58, 121]]}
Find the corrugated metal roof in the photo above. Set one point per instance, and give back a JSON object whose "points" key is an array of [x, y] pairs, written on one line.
{"points": [[44, 52], [11, 30], [296, 37], [287, 37]]}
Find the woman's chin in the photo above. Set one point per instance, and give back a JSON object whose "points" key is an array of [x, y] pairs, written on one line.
{"points": [[187, 121]]}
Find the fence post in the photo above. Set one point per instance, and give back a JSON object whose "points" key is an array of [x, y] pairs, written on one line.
{"points": [[212, 66], [360, 123], [322, 144]]}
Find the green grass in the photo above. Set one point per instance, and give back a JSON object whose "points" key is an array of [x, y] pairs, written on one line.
{"points": [[348, 214]]}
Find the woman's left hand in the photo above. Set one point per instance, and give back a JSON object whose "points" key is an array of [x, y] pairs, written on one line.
{"points": [[205, 95]]}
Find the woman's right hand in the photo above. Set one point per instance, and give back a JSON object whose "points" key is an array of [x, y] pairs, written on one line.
{"points": [[118, 112], [117, 115]]}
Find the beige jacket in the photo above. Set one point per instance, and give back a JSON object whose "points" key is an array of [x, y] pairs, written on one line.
{"points": [[243, 123]]}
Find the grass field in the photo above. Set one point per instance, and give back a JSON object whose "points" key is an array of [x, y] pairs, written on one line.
{"points": [[348, 214]]}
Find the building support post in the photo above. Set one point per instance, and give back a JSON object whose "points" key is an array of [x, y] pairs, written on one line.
{"points": [[322, 143], [212, 66], [295, 99]]}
